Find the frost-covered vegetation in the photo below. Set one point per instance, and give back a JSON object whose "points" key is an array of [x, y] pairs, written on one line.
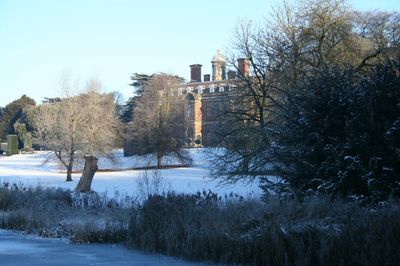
{"points": [[277, 232], [205, 226], [56, 212], [321, 103]]}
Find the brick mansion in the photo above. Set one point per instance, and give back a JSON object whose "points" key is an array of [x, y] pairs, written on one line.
{"points": [[205, 96]]}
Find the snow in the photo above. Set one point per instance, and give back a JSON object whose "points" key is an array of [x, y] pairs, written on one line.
{"points": [[23, 250], [29, 170]]}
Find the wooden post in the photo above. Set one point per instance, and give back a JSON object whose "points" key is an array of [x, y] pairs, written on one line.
{"points": [[88, 173]]}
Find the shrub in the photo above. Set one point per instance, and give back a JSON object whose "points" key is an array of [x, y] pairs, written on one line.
{"points": [[150, 184], [280, 232], [55, 212]]}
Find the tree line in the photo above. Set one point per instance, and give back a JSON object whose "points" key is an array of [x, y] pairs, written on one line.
{"points": [[71, 127], [87, 122]]}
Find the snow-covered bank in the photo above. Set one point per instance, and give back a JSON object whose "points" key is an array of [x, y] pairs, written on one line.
{"points": [[16, 249], [29, 170]]}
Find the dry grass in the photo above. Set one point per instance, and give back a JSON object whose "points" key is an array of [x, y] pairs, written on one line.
{"points": [[206, 227], [248, 232]]}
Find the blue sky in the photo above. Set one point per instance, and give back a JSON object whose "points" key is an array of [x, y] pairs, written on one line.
{"points": [[110, 39]]}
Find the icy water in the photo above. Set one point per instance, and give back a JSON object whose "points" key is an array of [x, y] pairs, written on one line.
{"points": [[21, 250]]}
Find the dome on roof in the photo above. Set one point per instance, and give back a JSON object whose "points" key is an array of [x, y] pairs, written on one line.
{"points": [[218, 57]]}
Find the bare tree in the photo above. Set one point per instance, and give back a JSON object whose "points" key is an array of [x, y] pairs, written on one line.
{"points": [[80, 125], [57, 129], [99, 120], [157, 126], [88, 172], [100, 125]]}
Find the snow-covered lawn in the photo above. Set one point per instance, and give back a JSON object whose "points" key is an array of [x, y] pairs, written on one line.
{"points": [[29, 170]]}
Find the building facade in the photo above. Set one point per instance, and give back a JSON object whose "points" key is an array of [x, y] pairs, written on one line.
{"points": [[206, 97]]}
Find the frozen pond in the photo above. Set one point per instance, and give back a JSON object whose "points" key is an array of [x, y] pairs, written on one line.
{"points": [[16, 249]]}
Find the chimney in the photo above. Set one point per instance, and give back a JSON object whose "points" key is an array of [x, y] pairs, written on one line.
{"points": [[243, 67], [206, 77], [195, 73]]}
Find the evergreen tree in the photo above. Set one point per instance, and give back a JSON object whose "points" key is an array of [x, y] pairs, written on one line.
{"points": [[12, 113], [340, 134], [138, 82]]}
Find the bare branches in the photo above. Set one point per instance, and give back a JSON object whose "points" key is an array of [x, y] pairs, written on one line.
{"points": [[157, 125], [77, 125]]}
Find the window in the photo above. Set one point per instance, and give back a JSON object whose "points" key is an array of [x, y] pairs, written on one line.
{"points": [[189, 107]]}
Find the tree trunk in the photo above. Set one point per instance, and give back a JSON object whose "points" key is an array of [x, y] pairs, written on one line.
{"points": [[70, 166], [245, 165], [69, 174], [159, 158], [87, 174]]}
